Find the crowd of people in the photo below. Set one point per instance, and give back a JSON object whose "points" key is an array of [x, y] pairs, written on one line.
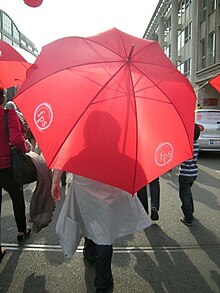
{"points": [[116, 214]]}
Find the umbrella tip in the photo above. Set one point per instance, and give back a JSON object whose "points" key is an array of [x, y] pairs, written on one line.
{"points": [[130, 53]]}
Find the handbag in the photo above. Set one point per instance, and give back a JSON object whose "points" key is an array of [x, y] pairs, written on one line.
{"points": [[22, 167]]}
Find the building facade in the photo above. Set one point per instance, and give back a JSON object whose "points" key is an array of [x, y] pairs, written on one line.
{"points": [[189, 33], [10, 34]]}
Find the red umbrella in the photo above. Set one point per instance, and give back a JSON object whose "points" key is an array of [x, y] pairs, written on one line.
{"points": [[12, 66], [215, 82], [111, 107]]}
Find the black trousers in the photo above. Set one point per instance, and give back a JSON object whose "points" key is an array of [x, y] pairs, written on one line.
{"points": [[103, 259], [17, 197], [154, 195]]}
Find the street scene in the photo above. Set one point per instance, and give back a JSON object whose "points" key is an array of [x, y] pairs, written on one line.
{"points": [[166, 257], [110, 146]]}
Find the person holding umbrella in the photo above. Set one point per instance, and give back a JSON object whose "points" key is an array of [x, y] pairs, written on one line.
{"points": [[154, 196], [101, 212]]}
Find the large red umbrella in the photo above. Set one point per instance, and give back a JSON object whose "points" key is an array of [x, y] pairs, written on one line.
{"points": [[12, 66], [111, 107]]}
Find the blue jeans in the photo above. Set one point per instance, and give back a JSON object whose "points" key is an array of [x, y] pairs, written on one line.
{"points": [[154, 195], [185, 184]]}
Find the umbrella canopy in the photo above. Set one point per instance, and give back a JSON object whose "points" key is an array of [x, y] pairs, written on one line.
{"points": [[12, 66], [215, 82], [111, 107]]}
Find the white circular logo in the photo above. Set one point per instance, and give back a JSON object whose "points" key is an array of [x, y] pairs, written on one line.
{"points": [[163, 154], [43, 116]]}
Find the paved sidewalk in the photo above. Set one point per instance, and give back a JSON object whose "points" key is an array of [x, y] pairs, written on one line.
{"points": [[167, 257]]}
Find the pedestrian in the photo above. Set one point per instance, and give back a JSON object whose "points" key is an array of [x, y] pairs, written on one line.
{"points": [[187, 175], [103, 213], [17, 139], [2, 251], [154, 187], [63, 179]]}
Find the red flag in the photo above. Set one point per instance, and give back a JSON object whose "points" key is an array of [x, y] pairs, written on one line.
{"points": [[215, 82]]}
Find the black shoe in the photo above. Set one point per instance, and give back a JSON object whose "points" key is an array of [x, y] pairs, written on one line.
{"points": [[104, 290], [154, 214], [24, 236], [187, 223]]}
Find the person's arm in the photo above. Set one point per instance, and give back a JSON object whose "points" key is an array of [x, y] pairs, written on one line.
{"points": [[17, 138], [56, 189]]}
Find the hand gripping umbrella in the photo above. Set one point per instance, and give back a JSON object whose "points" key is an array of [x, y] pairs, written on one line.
{"points": [[111, 107], [13, 66]]}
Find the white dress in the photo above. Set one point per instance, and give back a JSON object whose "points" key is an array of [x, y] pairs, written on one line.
{"points": [[99, 212]]}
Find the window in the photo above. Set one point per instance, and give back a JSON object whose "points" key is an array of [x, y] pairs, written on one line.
{"points": [[212, 5], [188, 32], [212, 46], [167, 51], [187, 67], [180, 67], [7, 40], [7, 24], [203, 10], [202, 52], [15, 33], [180, 40]]}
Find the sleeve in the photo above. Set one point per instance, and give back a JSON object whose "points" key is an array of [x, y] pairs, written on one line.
{"points": [[16, 136]]}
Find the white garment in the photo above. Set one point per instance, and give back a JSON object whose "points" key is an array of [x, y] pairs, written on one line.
{"points": [[99, 212]]}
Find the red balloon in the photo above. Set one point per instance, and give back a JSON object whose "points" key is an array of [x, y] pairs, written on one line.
{"points": [[33, 3]]}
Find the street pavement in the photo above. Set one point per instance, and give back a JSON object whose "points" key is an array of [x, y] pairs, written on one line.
{"points": [[166, 257]]}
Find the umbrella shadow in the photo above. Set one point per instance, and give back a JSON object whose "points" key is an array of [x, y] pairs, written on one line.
{"points": [[209, 179], [35, 284], [206, 197], [99, 157], [172, 270], [7, 274], [202, 234]]}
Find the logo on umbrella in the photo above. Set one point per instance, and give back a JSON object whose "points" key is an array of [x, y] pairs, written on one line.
{"points": [[163, 154], [43, 116]]}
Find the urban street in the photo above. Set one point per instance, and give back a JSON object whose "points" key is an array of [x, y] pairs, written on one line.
{"points": [[166, 257]]}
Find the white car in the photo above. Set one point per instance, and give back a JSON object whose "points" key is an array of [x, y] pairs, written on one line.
{"points": [[209, 139]]}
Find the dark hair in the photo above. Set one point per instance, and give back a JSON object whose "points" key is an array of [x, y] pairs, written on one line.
{"points": [[196, 132], [2, 93]]}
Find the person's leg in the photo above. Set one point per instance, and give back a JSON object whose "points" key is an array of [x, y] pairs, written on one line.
{"points": [[103, 278], [142, 195], [155, 198], [185, 194], [63, 178], [89, 251], [17, 197], [155, 193]]}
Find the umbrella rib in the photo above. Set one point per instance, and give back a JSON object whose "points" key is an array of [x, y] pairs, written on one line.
{"points": [[91, 101]]}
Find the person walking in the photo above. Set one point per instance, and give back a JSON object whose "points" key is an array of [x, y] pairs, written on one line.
{"points": [[154, 187], [17, 139], [188, 173], [103, 213]]}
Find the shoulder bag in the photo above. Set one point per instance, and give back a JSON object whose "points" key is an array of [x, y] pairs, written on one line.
{"points": [[22, 167]]}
